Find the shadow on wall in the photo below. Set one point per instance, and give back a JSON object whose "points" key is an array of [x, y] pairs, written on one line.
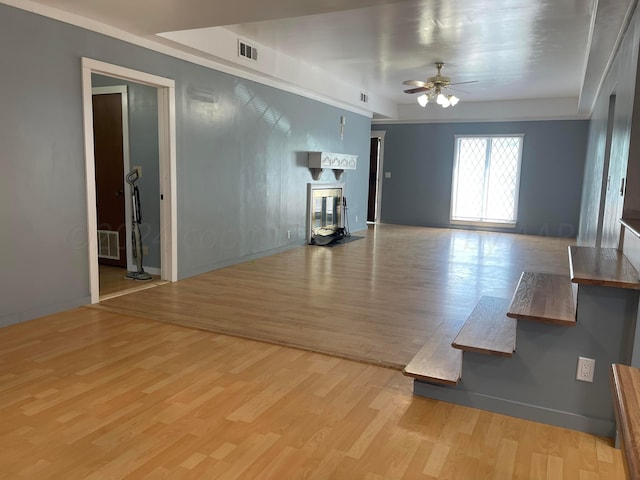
{"points": [[302, 159], [564, 230]]}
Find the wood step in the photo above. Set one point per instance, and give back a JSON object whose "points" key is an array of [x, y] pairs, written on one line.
{"points": [[606, 267], [545, 297], [488, 329], [436, 362]]}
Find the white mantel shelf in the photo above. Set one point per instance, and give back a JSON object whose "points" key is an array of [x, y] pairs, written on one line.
{"points": [[338, 162]]}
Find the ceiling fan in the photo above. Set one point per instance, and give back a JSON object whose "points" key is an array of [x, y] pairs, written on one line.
{"points": [[435, 87]]}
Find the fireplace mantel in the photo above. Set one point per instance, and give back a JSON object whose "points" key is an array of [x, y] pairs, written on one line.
{"points": [[338, 162]]}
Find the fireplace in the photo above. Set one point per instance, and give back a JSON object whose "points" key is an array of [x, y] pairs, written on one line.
{"points": [[325, 208]]}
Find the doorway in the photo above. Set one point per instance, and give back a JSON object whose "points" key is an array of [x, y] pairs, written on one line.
{"points": [[125, 125], [167, 168], [375, 176]]}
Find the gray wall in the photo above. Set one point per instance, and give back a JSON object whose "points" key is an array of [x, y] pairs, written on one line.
{"points": [[420, 159], [241, 174], [252, 155], [143, 151]]}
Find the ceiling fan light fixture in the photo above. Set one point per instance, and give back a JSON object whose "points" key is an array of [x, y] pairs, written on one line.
{"points": [[435, 88], [443, 101]]}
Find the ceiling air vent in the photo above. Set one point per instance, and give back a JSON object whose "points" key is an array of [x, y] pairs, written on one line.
{"points": [[247, 51], [364, 97]]}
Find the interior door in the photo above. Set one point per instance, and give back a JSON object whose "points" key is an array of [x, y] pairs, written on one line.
{"points": [[373, 179], [110, 191]]}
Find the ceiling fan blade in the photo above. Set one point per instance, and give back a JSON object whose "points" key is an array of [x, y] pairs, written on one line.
{"points": [[458, 90], [418, 90], [415, 83], [463, 83]]}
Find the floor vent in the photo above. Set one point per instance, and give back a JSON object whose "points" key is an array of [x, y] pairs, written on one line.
{"points": [[108, 244], [247, 51], [364, 97]]}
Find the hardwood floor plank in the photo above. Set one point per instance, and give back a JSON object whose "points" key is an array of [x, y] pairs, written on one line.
{"points": [[93, 393], [376, 300], [113, 283], [367, 422]]}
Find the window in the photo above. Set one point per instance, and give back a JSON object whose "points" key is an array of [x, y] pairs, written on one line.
{"points": [[486, 176]]}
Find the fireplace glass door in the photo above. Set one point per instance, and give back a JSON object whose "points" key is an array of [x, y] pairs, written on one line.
{"points": [[325, 209]]}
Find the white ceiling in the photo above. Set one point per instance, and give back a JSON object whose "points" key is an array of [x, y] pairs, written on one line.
{"points": [[515, 49]]}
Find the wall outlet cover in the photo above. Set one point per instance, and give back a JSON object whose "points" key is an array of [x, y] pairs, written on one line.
{"points": [[586, 367]]}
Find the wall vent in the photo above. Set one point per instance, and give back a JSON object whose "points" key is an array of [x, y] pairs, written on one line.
{"points": [[247, 51], [109, 244], [364, 97]]}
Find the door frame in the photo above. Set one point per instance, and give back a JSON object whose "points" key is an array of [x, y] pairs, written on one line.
{"points": [[167, 163], [123, 91], [379, 134]]}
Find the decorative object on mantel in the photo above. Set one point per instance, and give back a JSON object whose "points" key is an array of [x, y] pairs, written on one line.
{"points": [[338, 162]]}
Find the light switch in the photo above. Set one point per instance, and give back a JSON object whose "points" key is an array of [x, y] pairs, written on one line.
{"points": [[387, 174]]}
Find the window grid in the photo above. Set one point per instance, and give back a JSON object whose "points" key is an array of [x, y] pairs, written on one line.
{"points": [[486, 179]]}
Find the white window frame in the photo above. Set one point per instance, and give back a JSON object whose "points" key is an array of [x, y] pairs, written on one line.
{"points": [[454, 189]]}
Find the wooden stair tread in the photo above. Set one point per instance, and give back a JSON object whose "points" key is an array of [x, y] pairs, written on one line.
{"points": [[544, 297], [488, 329], [606, 267], [625, 383], [436, 363]]}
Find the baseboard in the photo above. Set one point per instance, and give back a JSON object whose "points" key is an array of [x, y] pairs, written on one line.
{"points": [[235, 261], [152, 270], [9, 319], [37, 312], [536, 413]]}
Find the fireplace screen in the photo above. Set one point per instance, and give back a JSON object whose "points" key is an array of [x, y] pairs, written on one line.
{"points": [[325, 208]]}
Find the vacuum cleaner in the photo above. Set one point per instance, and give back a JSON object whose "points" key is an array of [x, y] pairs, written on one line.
{"points": [[136, 219]]}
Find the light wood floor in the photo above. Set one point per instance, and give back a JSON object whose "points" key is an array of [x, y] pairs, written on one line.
{"points": [[379, 299], [90, 394], [113, 282]]}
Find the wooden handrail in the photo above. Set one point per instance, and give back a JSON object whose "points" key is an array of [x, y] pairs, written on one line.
{"points": [[625, 382]]}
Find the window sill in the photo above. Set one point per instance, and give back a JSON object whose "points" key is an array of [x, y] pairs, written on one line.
{"points": [[471, 223]]}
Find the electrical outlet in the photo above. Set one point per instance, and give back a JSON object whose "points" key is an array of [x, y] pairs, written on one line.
{"points": [[289, 234], [586, 366]]}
